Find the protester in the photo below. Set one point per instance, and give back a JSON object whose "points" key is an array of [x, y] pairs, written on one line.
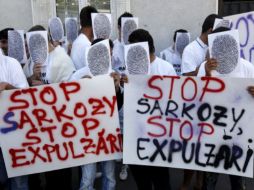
{"points": [[84, 39], [4, 40], [119, 66], [149, 177], [171, 55], [243, 69], [11, 77], [195, 53], [107, 167], [118, 51], [59, 68]]}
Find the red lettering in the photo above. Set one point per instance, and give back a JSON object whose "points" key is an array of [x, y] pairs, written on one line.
{"points": [[74, 156], [97, 106], [18, 160], [171, 125], [68, 130], [89, 125], [120, 139], [31, 136], [202, 131], [172, 84], [215, 81], [49, 130], [49, 149], [102, 146], [31, 91], [188, 89], [112, 141], [46, 93], [36, 154], [69, 88], [40, 116], [111, 105], [14, 98], [80, 106], [24, 118], [186, 123], [88, 145], [153, 86], [65, 157], [60, 113], [152, 122]]}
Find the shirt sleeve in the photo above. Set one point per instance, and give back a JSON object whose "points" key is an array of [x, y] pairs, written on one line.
{"points": [[18, 78], [188, 61], [201, 70], [80, 74], [62, 67], [78, 55]]}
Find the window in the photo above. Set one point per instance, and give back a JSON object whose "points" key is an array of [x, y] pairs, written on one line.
{"points": [[67, 8], [42, 10], [231, 7], [101, 5], [71, 8]]}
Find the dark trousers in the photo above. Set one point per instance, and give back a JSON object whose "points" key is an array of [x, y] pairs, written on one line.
{"points": [[210, 180], [34, 182], [59, 179], [151, 178]]}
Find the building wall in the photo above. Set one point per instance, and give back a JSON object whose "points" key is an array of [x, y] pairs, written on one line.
{"points": [[16, 13], [162, 17]]}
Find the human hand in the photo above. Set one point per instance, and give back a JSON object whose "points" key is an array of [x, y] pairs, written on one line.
{"points": [[250, 89], [37, 71], [210, 65], [116, 78]]}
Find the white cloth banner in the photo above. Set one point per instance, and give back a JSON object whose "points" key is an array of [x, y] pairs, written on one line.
{"points": [[245, 24], [58, 126], [192, 123]]}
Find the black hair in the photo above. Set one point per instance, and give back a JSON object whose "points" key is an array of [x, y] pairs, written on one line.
{"points": [[209, 22], [86, 17], [141, 35], [37, 28], [181, 31], [4, 33], [220, 29], [126, 14], [101, 39]]}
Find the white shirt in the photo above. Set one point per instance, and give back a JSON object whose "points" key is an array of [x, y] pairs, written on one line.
{"points": [[161, 67], [193, 55], [59, 67], [118, 56], [11, 72], [78, 51], [172, 57], [244, 69]]}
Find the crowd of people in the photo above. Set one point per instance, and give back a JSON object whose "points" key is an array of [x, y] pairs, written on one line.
{"points": [[69, 64]]}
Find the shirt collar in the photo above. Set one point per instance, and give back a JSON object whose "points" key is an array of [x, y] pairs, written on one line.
{"points": [[201, 43], [86, 38]]}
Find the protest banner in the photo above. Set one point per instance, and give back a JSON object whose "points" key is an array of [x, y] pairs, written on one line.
{"points": [[58, 126], [245, 24], [191, 123]]}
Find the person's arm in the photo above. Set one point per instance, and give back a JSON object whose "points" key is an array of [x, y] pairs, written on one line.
{"points": [[116, 78], [210, 65], [250, 89], [35, 80], [193, 73], [6, 86]]}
